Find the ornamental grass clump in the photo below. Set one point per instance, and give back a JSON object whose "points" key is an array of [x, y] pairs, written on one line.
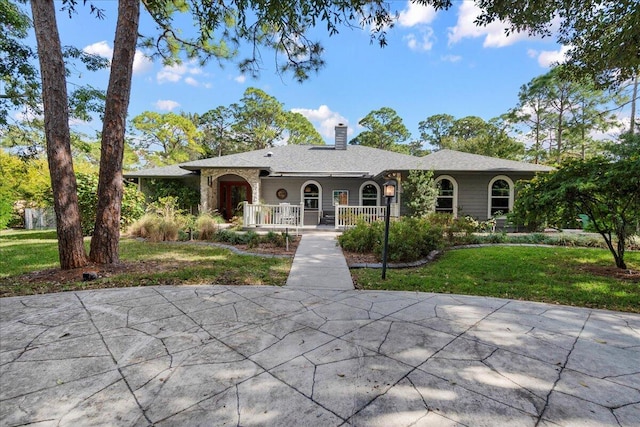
{"points": [[206, 225], [162, 222]]}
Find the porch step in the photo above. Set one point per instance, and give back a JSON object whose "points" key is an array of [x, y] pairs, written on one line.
{"points": [[328, 220]]}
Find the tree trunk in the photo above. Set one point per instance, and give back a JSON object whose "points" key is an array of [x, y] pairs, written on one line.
{"points": [[634, 97], [56, 124], [106, 235]]}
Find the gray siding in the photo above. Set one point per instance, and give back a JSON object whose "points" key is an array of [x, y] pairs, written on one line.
{"points": [[473, 190], [269, 187]]}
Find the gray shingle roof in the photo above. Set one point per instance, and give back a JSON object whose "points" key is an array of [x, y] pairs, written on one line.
{"points": [[173, 171], [356, 160], [305, 159], [450, 160]]}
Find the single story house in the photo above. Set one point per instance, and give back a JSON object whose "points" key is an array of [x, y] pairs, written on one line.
{"points": [[310, 185]]}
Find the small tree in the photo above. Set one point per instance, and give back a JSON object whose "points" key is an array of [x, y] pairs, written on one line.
{"points": [[607, 191], [420, 193]]}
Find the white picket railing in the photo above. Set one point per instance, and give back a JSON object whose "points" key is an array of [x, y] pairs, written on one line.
{"points": [[275, 216], [348, 216]]}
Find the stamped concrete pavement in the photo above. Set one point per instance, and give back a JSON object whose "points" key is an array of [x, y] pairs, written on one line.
{"points": [[243, 356]]}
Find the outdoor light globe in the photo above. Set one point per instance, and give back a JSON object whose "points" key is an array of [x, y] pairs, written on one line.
{"points": [[389, 189]]}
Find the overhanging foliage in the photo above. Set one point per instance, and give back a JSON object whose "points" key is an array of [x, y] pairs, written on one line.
{"points": [[606, 190]]}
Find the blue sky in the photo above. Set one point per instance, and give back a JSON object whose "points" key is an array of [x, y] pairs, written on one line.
{"points": [[434, 63]]}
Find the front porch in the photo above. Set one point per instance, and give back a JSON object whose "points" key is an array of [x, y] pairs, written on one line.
{"points": [[289, 216]]}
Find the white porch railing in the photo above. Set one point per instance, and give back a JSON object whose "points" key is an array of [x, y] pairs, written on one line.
{"points": [[348, 216], [276, 216]]}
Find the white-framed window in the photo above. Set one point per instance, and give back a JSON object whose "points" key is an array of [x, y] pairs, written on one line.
{"points": [[311, 195], [370, 194], [447, 200], [340, 197], [501, 190]]}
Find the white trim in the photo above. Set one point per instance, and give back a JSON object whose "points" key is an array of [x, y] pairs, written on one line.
{"points": [[489, 192], [377, 194], [455, 191], [316, 183]]}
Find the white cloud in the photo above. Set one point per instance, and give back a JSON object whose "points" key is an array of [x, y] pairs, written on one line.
{"points": [[451, 58], [27, 114], [416, 14], [100, 48], [171, 73], [240, 79], [324, 120], [191, 81], [548, 58], [494, 33], [176, 72], [141, 63], [621, 124], [166, 104], [422, 42]]}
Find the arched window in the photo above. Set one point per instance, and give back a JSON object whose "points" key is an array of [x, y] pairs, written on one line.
{"points": [[369, 194], [500, 195], [447, 200], [311, 195]]}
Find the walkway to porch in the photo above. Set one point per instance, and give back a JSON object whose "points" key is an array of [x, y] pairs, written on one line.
{"points": [[319, 263]]}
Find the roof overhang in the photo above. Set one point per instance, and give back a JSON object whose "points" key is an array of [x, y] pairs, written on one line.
{"points": [[198, 168], [316, 174]]}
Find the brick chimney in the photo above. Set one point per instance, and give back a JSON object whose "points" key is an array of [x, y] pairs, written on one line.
{"points": [[341, 137]]}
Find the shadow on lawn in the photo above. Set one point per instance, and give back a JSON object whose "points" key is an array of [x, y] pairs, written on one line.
{"points": [[29, 235]]}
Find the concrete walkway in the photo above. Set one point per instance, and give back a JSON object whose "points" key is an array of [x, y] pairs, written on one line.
{"points": [[269, 356], [319, 264]]}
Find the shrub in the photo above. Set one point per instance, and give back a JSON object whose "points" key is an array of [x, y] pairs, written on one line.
{"points": [[222, 235], [363, 237], [132, 207], [187, 197], [252, 239], [6, 211], [456, 230], [206, 225], [409, 238]]}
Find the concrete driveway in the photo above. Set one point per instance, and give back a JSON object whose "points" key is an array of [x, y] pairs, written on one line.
{"points": [[242, 356]]}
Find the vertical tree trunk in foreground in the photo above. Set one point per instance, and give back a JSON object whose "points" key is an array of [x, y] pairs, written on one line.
{"points": [[56, 124], [106, 235], [634, 97]]}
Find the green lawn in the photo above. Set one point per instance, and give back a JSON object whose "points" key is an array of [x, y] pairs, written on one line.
{"points": [[547, 274], [553, 275], [166, 263]]}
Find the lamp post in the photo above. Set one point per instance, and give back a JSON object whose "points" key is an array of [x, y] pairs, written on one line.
{"points": [[389, 193]]}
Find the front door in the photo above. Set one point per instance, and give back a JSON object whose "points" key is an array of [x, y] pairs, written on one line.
{"points": [[232, 194]]}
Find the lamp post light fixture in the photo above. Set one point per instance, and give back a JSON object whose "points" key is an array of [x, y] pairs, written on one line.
{"points": [[389, 193]]}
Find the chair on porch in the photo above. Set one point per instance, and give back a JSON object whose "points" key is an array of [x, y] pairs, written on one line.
{"points": [[287, 215]]}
